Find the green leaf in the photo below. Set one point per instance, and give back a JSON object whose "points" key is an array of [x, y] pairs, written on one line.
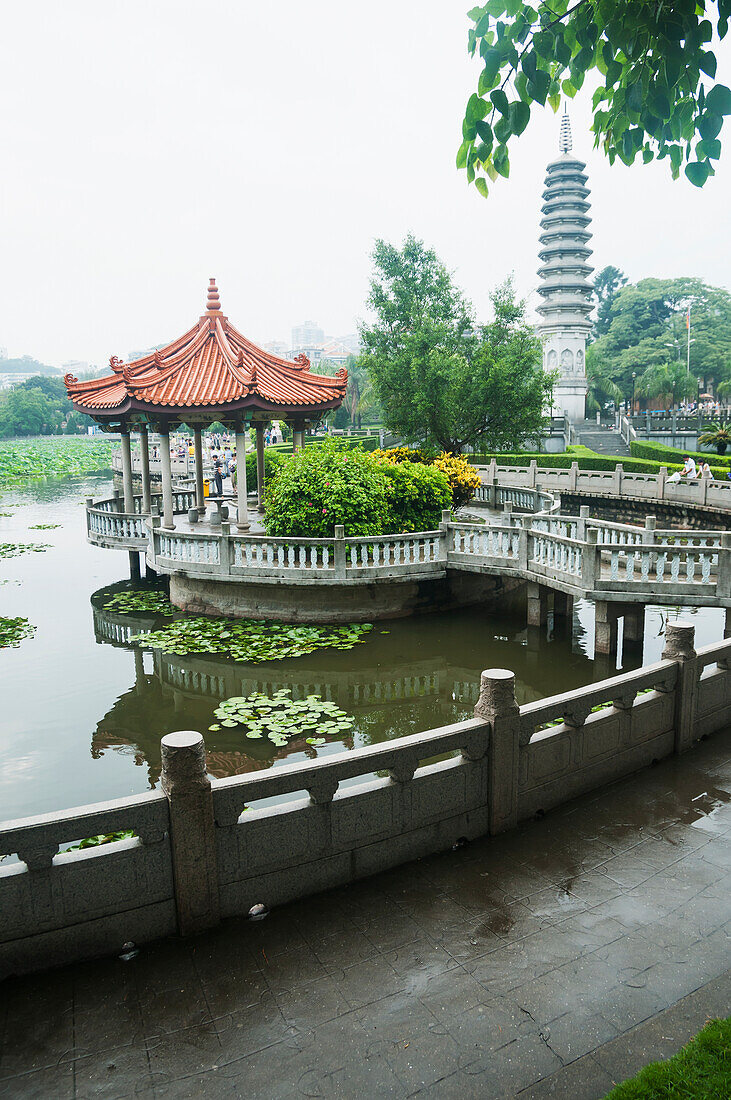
{"points": [[707, 64], [481, 185], [518, 117], [698, 172], [500, 100], [718, 100]]}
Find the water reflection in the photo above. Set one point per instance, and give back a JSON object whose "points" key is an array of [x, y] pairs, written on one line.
{"points": [[409, 675]]}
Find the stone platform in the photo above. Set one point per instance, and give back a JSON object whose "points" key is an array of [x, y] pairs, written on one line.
{"points": [[551, 961]]}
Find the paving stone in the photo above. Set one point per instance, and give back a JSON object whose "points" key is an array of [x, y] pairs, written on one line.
{"points": [[594, 938]]}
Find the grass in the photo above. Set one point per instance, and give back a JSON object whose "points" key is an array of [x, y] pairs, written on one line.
{"points": [[700, 1071]]}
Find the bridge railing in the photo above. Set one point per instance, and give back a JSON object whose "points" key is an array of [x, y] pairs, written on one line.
{"points": [[198, 857]]}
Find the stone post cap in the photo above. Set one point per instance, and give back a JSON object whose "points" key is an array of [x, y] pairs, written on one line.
{"points": [[679, 641], [339, 531], [650, 522], [446, 515], [497, 694], [183, 761], [183, 739], [592, 535], [584, 511]]}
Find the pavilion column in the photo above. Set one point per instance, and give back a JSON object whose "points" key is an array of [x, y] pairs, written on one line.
{"points": [[200, 499], [242, 521], [260, 465], [145, 470], [167, 480], [298, 438], [129, 499]]}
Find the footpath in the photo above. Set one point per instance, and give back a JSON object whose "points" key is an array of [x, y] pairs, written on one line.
{"points": [[553, 961]]}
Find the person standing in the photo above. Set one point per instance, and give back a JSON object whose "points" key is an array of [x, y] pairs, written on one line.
{"points": [[689, 470], [218, 475]]}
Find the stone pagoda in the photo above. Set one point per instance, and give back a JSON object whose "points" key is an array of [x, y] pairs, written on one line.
{"points": [[565, 287]]}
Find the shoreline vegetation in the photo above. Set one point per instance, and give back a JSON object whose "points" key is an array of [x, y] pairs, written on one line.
{"points": [[53, 456]]}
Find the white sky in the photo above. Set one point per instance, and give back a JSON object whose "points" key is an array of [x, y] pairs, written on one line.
{"points": [[147, 146]]}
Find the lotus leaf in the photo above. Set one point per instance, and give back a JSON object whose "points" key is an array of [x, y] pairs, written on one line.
{"points": [[13, 631]]}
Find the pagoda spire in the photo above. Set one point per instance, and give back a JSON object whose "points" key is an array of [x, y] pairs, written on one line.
{"points": [[564, 139], [213, 304]]}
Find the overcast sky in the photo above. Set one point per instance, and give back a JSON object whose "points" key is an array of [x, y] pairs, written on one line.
{"points": [[148, 146]]}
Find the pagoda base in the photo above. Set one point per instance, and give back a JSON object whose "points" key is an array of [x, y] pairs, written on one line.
{"points": [[334, 603]]}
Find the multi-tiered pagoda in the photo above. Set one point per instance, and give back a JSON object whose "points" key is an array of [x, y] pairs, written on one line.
{"points": [[564, 272]]}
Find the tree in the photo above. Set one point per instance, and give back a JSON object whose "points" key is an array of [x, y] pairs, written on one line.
{"points": [[648, 327], [606, 285], [439, 382], [667, 380], [720, 438], [38, 406], [359, 397], [601, 388], [656, 94]]}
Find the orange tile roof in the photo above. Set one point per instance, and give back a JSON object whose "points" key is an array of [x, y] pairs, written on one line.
{"points": [[211, 366]]}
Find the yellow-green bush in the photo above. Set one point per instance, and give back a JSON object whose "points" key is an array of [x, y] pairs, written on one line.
{"points": [[461, 475]]}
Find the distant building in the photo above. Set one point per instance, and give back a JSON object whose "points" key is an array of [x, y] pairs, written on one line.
{"points": [[351, 342], [335, 351], [75, 366], [308, 335], [278, 348]]}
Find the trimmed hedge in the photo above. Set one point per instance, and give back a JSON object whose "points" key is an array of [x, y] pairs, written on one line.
{"points": [[366, 443], [658, 452]]}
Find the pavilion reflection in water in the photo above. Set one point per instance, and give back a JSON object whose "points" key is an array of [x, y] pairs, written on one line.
{"points": [[386, 694]]}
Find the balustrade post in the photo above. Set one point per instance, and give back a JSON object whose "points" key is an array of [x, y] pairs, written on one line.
{"points": [[444, 534], [648, 533], [339, 552], [590, 560], [192, 831], [574, 476], [679, 647], [617, 479], [225, 555], [493, 493], [497, 706], [118, 501], [581, 522], [533, 473], [723, 576], [662, 476], [524, 536]]}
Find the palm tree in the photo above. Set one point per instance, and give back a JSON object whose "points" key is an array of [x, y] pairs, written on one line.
{"points": [[601, 388], [719, 438], [667, 380]]}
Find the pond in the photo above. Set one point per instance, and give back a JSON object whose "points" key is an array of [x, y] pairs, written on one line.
{"points": [[84, 709]]}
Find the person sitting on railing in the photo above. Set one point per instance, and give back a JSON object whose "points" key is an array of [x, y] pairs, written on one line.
{"points": [[706, 471]]}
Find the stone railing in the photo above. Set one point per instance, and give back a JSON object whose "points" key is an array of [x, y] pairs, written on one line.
{"points": [[107, 524], [609, 483], [297, 561], [198, 856]]}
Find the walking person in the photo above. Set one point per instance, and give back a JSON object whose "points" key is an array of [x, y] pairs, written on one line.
{"points": [[232, 470]]}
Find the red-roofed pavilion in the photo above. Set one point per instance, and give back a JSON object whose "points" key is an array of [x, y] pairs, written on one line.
{"points": [[211, 373]]}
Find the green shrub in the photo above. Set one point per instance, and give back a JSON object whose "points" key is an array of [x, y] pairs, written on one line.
{"points": [[658, 452], [273, 461], [416, 496], [463, 479], [323, 486]]}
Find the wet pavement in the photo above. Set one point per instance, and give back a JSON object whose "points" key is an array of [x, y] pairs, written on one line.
{"points": [[544, 961]]}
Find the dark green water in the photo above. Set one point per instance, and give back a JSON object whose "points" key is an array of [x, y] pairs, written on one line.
{"points": [[83, 711]]}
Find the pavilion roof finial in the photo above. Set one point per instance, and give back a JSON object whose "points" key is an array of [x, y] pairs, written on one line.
{"points": [[564, 140], [213, 305]]}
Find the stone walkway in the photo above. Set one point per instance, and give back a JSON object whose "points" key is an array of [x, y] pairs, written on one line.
{"points": [[525, 964]]}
